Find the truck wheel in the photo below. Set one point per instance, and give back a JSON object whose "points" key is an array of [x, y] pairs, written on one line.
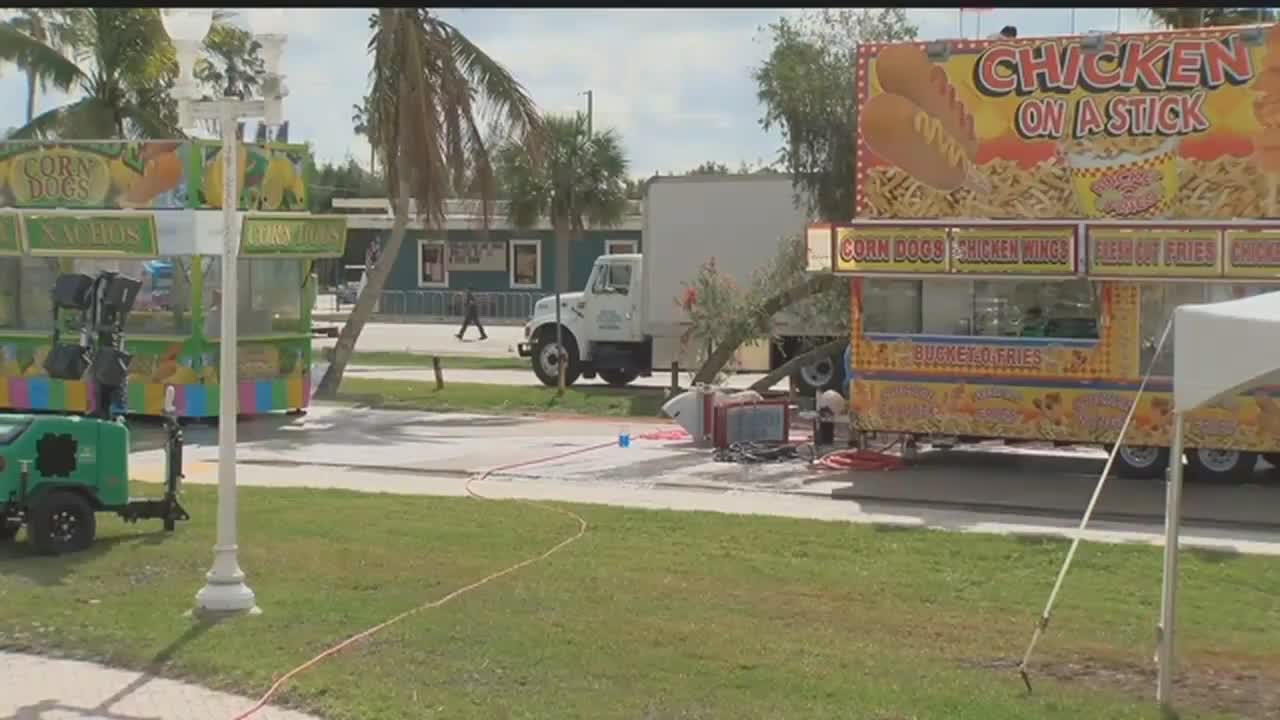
{"points": [[826, 374], [62, 522], [546, 360], [1221, 467], [1140, 462], [619, 378]]}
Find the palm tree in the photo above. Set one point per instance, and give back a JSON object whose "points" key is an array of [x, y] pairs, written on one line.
{"points": [[578, 176], [125, 75], [430, 89], [1181, 18], [59, 30], [364, 123]]}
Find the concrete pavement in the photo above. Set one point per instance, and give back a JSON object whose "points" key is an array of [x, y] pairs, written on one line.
{"points": [[39, 688], [435, 454], [435, 339], [522, 377]]}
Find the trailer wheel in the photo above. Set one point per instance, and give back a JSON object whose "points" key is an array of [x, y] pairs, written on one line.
{"points": [[1221, 467], [619, 378], [8, 532], [62, 522], [1141, 462], [546, 360]]}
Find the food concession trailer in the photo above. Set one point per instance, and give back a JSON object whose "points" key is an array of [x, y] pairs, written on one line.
{"points": [[149, 211], [1030, 212]]}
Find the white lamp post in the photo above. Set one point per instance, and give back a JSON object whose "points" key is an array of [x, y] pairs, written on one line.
{"points": [[225, 590]]}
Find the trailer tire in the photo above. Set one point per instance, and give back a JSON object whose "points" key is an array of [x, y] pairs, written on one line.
{"points": [[62, 521], [546, 370], [619, 378], [1141, 463], [8, 532], [1221, 467]]}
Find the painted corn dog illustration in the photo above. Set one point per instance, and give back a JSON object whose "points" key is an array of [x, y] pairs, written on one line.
{"points": [[163, 172], [919, 123], [901, 132], [1266, 106], [905, 70]]}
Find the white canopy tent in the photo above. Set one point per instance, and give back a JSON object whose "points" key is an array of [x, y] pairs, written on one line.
{"points": [[1219, 350]]}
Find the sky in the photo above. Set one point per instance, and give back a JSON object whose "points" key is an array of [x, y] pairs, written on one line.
{"points": [[675, 83]]}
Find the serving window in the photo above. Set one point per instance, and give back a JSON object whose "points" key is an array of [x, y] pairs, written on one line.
{"points": [[163, 305], [1158, 302], [270, 299], [1063, 309]]}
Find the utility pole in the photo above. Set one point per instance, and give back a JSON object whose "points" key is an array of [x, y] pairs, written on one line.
{"points": [[589, 95]]}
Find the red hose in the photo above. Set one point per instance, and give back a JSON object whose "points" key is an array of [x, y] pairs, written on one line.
{"points": [[860, 460]]}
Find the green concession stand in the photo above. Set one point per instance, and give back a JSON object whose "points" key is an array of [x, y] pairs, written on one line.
{"points": [[151, 211]]}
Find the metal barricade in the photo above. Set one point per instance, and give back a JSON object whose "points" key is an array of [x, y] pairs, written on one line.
{"points": [[441, 305]]}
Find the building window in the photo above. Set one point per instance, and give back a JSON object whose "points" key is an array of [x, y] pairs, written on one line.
{"points": [[432, 271], [619, 247], [526, 264]]}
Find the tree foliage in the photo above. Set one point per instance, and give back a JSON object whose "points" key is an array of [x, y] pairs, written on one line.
{"points": [[341, 180], [62, 31], [571, 177], [710, 167], [232, 64], [1182, 18], [806, 86], [123, 64], [432, 95]]}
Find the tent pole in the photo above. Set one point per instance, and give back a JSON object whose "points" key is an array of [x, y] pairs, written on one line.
{"points": [[1169, 588]]}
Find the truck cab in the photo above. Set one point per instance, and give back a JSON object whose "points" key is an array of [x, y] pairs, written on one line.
{"points": [[602, 327]]}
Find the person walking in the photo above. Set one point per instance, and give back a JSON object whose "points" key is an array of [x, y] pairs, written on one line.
{"points": [[471, 315]]}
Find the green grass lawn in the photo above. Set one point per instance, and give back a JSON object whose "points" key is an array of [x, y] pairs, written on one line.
{"points": [[456, 362], [651, 615], [478, 397]]}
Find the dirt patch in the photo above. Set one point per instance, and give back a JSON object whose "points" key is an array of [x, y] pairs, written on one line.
{"points": [[1238, 691]]}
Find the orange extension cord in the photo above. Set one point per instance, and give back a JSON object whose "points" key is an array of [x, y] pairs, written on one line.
{"points": [[840, 460], [582, 529]]}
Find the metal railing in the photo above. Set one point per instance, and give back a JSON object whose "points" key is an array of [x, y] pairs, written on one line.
{"points": [[448, 304]]}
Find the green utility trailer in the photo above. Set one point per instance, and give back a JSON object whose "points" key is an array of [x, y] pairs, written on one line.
{"points": [[57, 472]]}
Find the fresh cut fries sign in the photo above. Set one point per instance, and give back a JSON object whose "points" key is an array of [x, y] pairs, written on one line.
{"points": [[1180, 125]]}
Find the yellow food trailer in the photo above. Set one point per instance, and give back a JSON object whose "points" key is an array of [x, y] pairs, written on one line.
{"points": [[1028, 214]]}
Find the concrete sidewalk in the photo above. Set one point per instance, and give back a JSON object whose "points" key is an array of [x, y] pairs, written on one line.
{"points": [[39, 688], [435, 339], [524, 377], [436, 453]]}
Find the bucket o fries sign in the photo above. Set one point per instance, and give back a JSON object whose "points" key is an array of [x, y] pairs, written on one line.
{"points": [[1182, 125]]}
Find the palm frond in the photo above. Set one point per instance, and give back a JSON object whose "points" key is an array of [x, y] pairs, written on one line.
{"points": [[575, 178], [38, 58], [62, 121], [430, 88]]}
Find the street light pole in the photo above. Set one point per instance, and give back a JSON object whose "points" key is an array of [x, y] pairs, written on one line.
{"points": [[225, 590]]}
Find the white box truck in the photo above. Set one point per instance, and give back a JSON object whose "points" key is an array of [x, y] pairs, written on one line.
{"points": [[628, 321]]}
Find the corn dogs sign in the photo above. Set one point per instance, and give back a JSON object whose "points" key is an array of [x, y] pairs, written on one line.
{"points": [[160, 175], [974, 249], [1179, 125]]}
